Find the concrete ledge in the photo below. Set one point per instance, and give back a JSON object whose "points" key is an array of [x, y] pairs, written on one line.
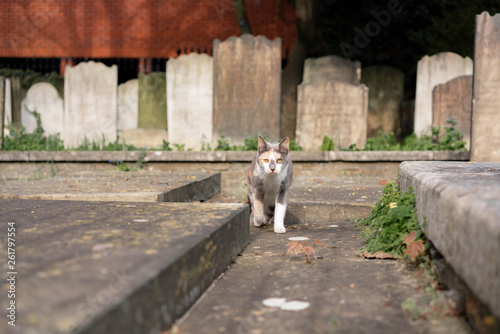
{"points": [[119, 186], [116, 267], [459, 206], [226, 156]]}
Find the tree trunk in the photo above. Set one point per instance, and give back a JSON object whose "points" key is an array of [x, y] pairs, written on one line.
{"points": [[305, 13], [241, 16]]}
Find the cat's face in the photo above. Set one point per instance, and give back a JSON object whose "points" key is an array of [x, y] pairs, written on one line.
{"points": [[273, 157]]}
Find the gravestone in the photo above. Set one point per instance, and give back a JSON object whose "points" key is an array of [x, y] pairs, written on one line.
{"points": [[2, 109], [152, 101], [384, 101], [18, 93], [7, 120], [90, 103], [190, 100], [128, 105], [432, 71], [44, 98], [332, 108], [247, 86], [330, 68], [453, 99], [485, 141], [140, 138]]}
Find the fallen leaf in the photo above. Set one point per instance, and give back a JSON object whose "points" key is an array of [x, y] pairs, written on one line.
{"points": [[308, 250], [383, 182], [294, 247], [378, 255], [317, 242], [410, 237], [414, 248]]}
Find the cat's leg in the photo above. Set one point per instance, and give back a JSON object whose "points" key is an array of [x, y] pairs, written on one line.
{"points": [[259, 217], [279, 218]]}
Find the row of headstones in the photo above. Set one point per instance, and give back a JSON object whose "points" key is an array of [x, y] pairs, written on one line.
{"points": [[237, 93]]}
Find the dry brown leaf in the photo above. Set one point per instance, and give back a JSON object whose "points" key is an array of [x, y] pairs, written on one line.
{"points": [[410, 237], [319, 243], [294, 247], [308, 250], [378, 255], [414, 249]]}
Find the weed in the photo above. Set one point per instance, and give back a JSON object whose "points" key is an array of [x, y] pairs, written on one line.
{"points": [[392, 226], [327, 144]]}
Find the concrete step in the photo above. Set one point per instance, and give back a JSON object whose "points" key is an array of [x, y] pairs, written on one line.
{"points": [[459, 206], [114, 267], [119, 186]]}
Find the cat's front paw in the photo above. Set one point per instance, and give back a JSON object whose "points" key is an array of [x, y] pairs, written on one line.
{"points": [[258, 222], [279, 229]]}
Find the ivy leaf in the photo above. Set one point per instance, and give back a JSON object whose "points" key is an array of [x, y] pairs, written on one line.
{"points": [[414, 249]]}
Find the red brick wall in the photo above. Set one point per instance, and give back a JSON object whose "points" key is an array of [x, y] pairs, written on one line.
{"points": [[132, 28]]}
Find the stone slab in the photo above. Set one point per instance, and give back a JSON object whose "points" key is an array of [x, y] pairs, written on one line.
{"points": [[153, 101], [344, 293], [43, 98], [247, 88], [90, 103], [485, 145], [457, 203], [7, 104], [432, 71], [140, 138], [332, 108], [453, 99], [331, 68], [190, 100], [128, 106], [385, 85], [116, 267], [119, 186]]}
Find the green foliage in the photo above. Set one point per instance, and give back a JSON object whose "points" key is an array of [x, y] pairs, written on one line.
{"points": [[327, 144], [101, 145], [249, 144], [19, 140], [452, 140], [165, 146], [123, 167], [29, 78], [392, 219]]}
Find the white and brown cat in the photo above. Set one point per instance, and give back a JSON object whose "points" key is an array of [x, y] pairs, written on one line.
{"points": [[269, 179]]}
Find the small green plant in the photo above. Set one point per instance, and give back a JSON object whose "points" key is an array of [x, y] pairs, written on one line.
{"points": [[180, 147], [327, 144], [392, 229], [165, 146], [19, 140], [123, 167]]}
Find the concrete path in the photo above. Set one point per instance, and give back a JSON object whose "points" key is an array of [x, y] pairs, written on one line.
{"points": [[268, 290]]}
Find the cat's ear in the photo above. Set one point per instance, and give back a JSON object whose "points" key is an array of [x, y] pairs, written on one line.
{"points": [[284, 145], [262, 144]]}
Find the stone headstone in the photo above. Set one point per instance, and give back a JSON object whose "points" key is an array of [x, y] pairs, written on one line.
{"points": [[247, 88], [8, 102], [190, 100], [153, 101], [18, 95], [90, 103], [149, 138], [128, 105], [44, 98], [453, 99], [330, 68], [485, 141], [336, 109], [386, 86], [2, 109], [432, 71]]}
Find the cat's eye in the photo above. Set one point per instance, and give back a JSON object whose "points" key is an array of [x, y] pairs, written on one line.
{"points": [[279, 160], [266, 161]]}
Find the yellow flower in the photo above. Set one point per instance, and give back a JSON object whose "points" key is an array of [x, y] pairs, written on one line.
{"points": [[393, 205]]}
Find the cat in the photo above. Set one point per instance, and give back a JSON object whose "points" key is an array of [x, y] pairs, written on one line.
{"points": [[269, 179]]}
